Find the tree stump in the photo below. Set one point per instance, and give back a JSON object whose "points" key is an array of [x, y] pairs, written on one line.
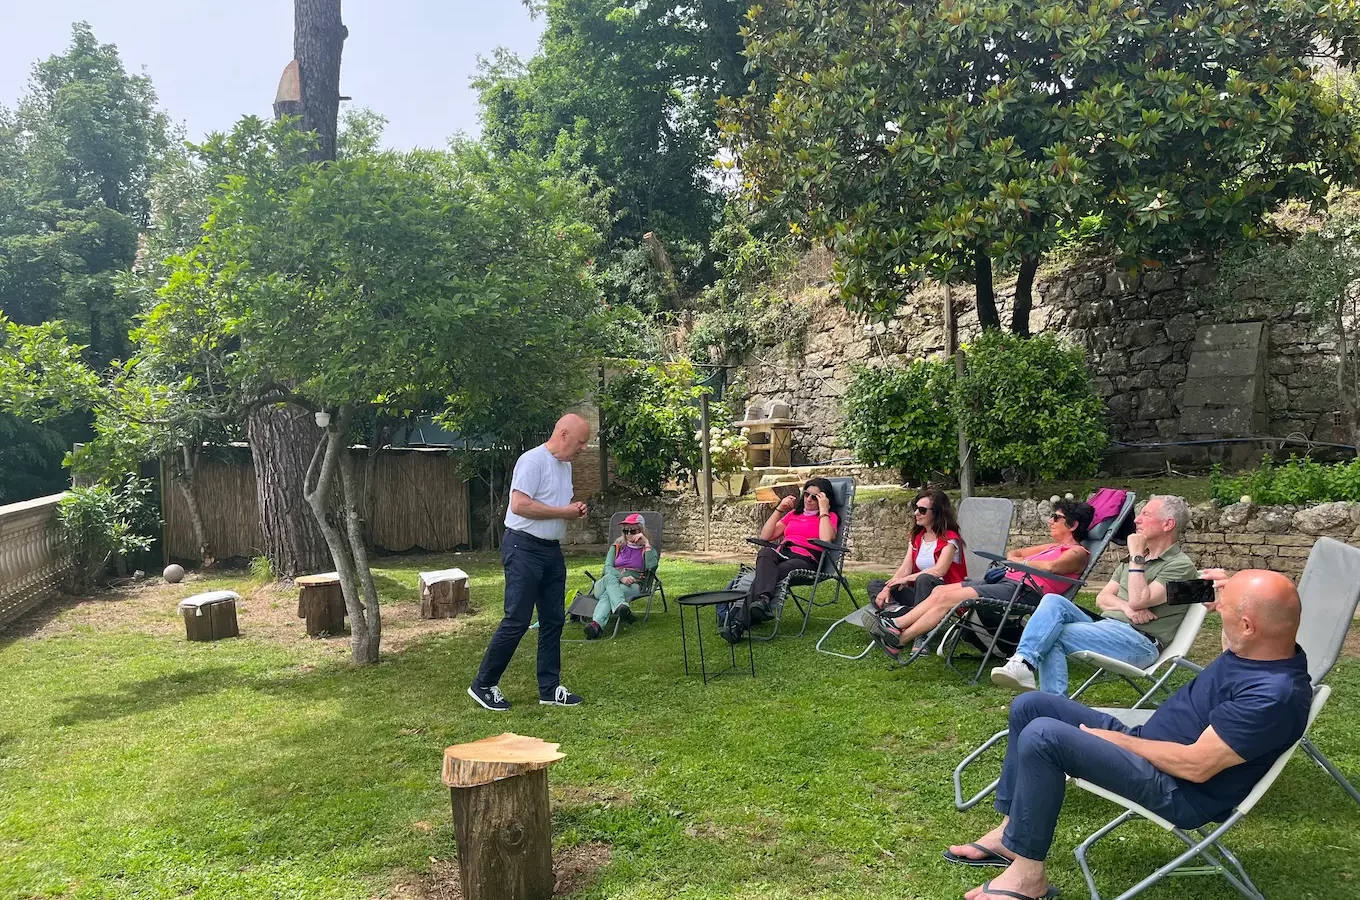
{"points": [[501, 818], [444, 594], [321, 601]]}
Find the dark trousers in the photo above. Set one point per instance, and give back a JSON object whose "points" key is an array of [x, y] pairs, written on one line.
{"points": [[771, 568], [904, 597], [535, 575], [1046, 745]]}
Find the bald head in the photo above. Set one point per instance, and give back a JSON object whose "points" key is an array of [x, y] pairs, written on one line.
{"points": [[1260, 611], [570, 435]]}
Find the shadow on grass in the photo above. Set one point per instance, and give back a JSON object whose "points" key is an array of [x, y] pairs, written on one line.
{"points": [[150, 694]]}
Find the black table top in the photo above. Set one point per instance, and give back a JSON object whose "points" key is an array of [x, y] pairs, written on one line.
{"points": [[712, 598]]}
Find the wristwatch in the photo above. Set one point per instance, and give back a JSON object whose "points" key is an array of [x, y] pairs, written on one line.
{"points": [[1138, 560]]}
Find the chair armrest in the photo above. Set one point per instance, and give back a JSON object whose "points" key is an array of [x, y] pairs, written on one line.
{"points": [[1040, 573], [761, 542], [994, 557], [827, 545]]}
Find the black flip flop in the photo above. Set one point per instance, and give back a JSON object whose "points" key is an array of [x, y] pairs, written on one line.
{"points": [[1048, 895], [990, 860]]}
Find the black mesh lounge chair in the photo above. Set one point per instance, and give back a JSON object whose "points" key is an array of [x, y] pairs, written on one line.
{"points": [[984, 524], [987, 630], [583, 607], [830, 566]]}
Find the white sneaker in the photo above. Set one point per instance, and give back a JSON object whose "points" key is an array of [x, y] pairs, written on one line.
{"points": [[1015, 675]]}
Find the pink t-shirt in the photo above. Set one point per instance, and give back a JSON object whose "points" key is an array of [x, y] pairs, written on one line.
{"points": [[1046, 585], [800, 528]]}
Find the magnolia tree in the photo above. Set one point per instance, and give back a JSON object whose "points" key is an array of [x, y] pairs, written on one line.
{"points": [[382, 285], [938, 139]]}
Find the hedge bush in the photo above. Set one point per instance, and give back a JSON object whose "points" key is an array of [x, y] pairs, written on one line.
{"points": [[901, 416], [1295, 483], [1029, 409], [650, 419]]}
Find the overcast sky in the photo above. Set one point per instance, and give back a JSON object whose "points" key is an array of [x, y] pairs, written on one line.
{"points": [[213, 62]]}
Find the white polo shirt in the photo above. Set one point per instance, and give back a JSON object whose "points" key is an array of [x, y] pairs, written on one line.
{"points": [[547, 479]]}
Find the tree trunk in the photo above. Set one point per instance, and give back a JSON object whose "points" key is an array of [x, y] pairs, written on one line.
{"points": [[1024, 295], [188, 489], [318, 40], [279, 437], [986, 296], [358, 548], [324, 473], [1345, 386]]}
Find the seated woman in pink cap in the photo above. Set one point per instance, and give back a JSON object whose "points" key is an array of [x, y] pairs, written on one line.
{"points": [[625, 565]]}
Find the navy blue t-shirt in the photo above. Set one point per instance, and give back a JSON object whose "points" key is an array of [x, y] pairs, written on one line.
{"points": [[1259, 708]]}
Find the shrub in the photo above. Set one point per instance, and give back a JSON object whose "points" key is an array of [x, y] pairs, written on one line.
{"points": [[1029, 408], [1295, 483], [100, 521], [726, 450], [902, 416], [649, 424]]}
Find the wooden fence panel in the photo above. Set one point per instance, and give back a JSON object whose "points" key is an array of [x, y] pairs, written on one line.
{"points": [[408, 498]]}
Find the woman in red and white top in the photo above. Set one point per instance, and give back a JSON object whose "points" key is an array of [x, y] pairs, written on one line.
{"points": [[793, 525], [935, 557], [1064, 555]]}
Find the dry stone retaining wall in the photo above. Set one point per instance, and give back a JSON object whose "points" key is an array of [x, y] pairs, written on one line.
{"points": [[1138, 330]]}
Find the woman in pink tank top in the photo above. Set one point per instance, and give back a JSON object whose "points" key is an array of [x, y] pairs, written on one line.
{"points": [[1068, 526]]}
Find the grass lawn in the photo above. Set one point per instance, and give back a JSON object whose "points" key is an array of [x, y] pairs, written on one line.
{"points": [[134, 764]]}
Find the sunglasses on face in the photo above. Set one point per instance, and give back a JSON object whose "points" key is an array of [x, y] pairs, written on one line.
{"points": [[922, 510], [1059, 517], [629, 532]]}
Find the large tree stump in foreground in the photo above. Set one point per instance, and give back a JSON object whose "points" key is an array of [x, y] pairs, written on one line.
{"points": [[321, 601], [444, 594], [501, 818]]}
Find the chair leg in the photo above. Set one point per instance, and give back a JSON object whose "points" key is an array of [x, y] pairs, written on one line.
{"points": [[834, 625], [1199, 845], [1327, 766], [961, 804], [996, 636]]}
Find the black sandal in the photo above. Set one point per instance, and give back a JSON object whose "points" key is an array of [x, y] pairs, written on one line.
{"points": [[992, 858], [1048, 895]]}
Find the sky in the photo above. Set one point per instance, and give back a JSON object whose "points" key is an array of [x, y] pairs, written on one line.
{"points": [[213, 62]]}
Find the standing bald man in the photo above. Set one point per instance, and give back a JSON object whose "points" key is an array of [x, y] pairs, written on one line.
{"points": [[1194, 761], [535, 572]]}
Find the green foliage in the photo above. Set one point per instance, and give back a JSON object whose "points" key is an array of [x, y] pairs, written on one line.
{"points": [[1299, 481], [726, 451], [102, 521], [262, 570], [628, 88], [649, 417], [913, 138], [748, 306], [1028, 407], [42, 374], [902, 416]]}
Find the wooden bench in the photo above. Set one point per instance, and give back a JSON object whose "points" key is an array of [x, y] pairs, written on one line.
{"points": [[210, 616], [444, 594], [321, 601]]}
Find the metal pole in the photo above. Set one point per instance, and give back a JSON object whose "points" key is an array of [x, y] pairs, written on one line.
{"points": [[604, 451], [707, 466], [952, 348]]}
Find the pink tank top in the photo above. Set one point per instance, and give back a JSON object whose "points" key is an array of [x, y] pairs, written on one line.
{"points": [[1046, 585]]}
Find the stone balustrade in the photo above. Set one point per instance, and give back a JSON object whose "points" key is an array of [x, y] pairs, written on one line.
{"points": [[33, 558]]}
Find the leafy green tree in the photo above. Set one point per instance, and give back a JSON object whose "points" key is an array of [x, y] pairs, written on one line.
{"points": [[1029, 409], [630, 89], [902, 416], [924, 139], [76, 159], [649, 416], [387, 285]]}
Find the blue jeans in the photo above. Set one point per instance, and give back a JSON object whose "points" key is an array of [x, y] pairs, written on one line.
{"points": [[535, 575], [1059, 627], [1046, 745]]}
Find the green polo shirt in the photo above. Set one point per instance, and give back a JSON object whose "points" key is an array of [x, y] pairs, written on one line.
{"points": [[1172, 565]]}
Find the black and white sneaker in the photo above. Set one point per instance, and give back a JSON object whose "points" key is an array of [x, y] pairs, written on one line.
{"points": [[561, 697], [489, 698]]}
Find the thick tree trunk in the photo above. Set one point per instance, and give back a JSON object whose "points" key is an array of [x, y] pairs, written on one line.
{"points": [[986, 296], [187, 483], [1024, 295], [318, 41], [280, 437]]}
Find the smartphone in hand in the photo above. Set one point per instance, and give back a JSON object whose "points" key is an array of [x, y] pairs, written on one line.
{"points": [[1183, 593]]}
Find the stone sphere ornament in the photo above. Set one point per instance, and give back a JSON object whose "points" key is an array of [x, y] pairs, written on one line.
{"points": [[173, 574]]}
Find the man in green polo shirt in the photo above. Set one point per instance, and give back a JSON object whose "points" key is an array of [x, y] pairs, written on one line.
{"points": [[1136, 622]]}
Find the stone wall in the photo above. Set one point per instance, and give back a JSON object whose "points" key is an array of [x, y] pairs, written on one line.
{"points": [[1138, 331], [1235, 537], [34, 559]]}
